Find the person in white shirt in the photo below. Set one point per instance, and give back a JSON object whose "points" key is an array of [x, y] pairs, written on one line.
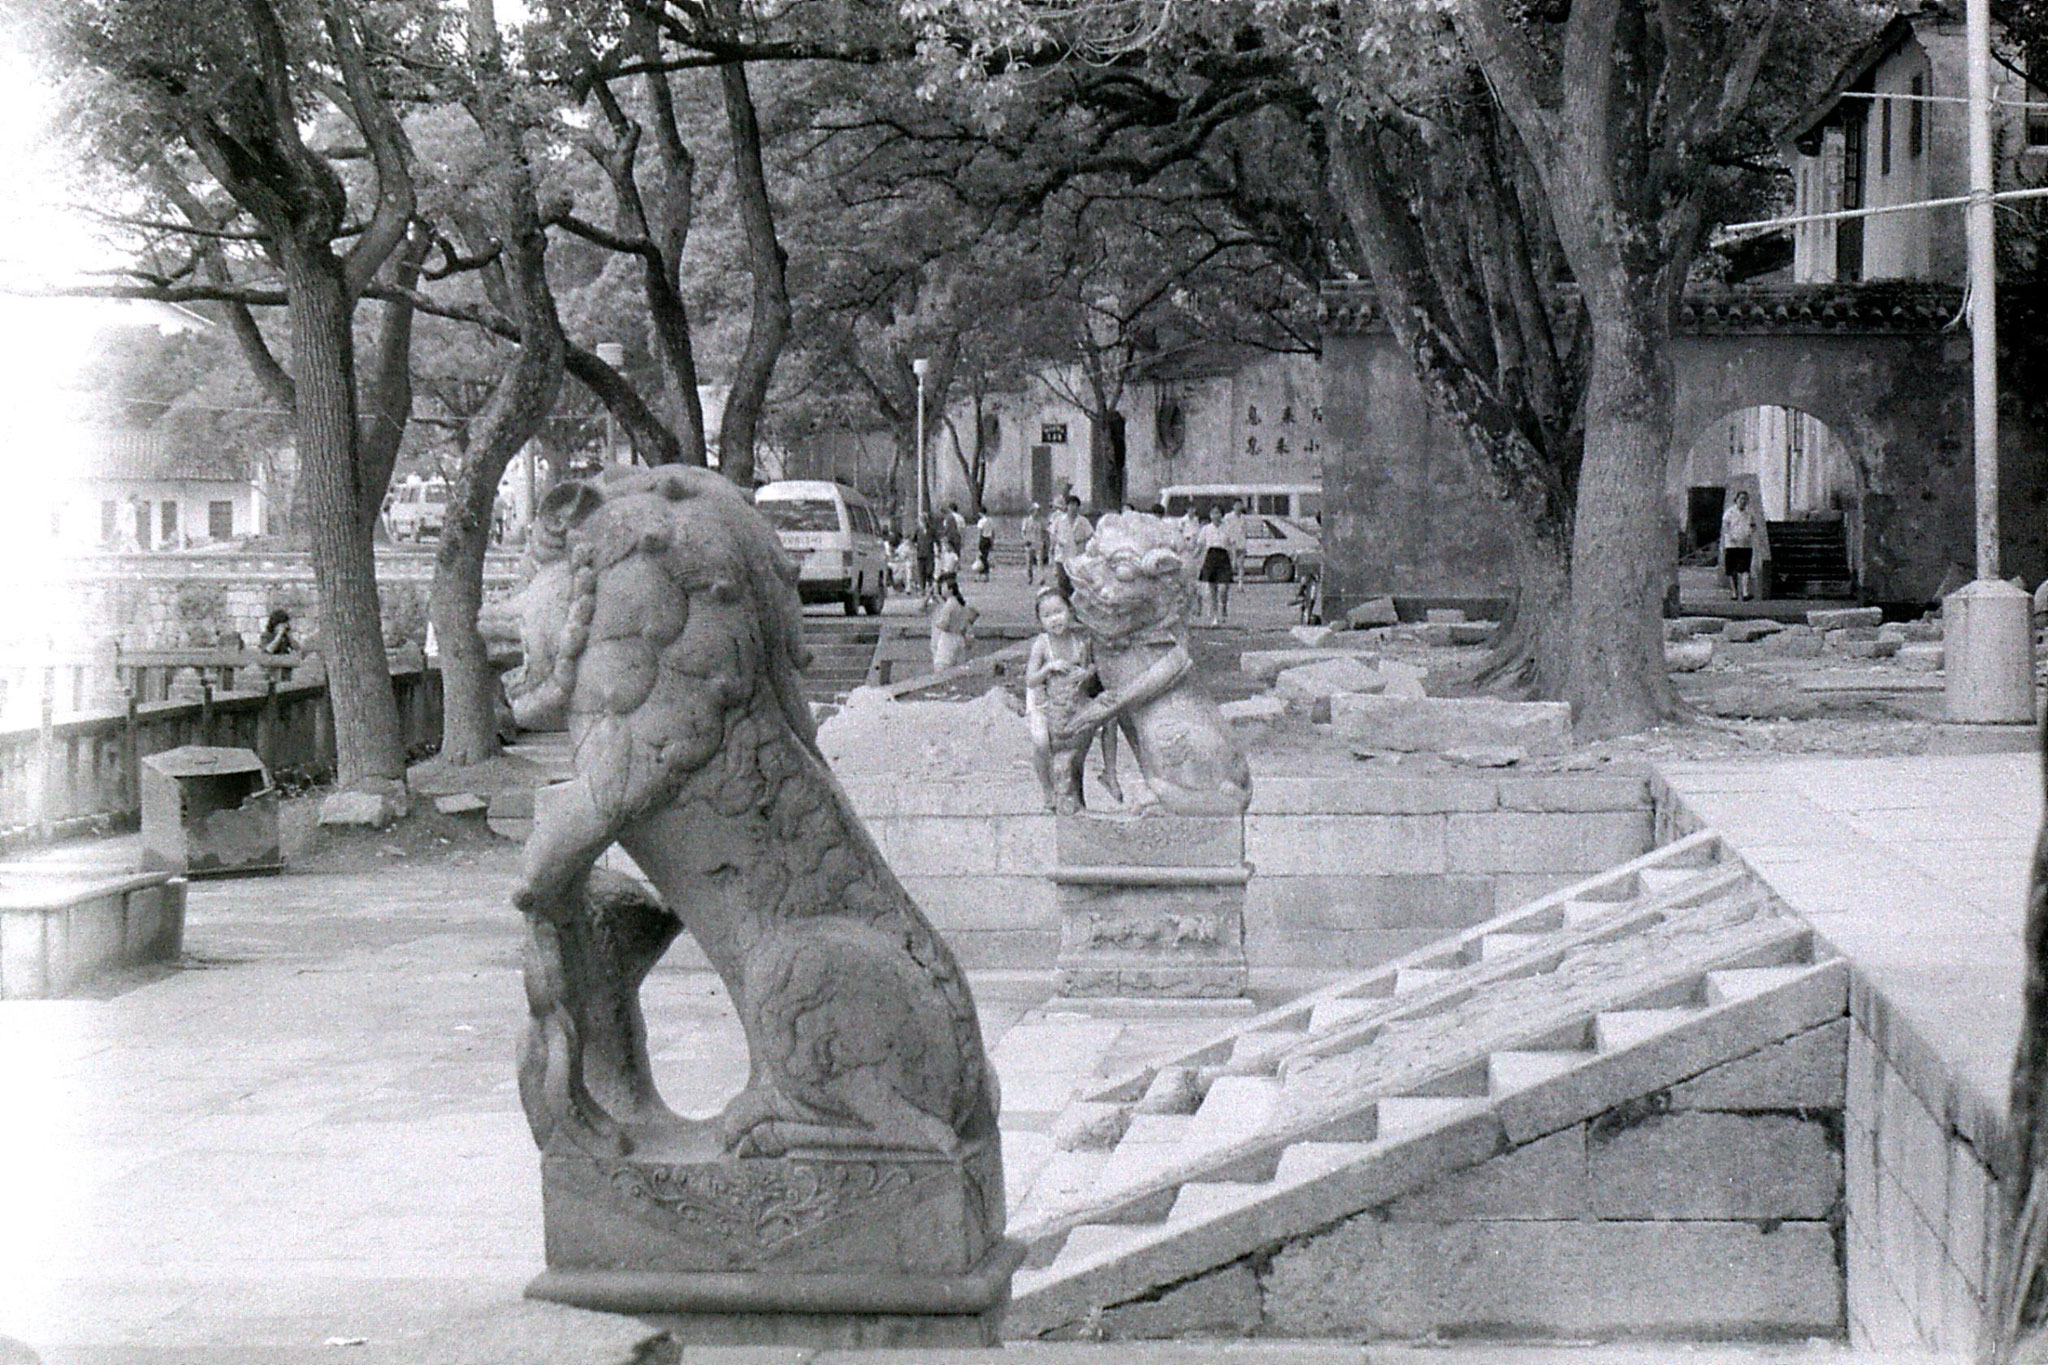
{"points": [[1213, 566], [1070, 534], [1234, 542], [984, 543], [1738, 547]]}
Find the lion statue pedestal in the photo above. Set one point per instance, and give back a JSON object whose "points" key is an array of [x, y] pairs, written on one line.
{"points": [[1152, 900], [852, 1193]]}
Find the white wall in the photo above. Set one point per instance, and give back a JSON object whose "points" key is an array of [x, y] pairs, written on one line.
{"points": [[77, 519]]}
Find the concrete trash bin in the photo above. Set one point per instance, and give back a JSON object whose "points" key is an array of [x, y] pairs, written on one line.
{"points": [[209, 812]]}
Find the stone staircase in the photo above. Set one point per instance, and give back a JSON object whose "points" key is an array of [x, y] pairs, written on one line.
{"points": [[1191, 1176], [842, 651]]}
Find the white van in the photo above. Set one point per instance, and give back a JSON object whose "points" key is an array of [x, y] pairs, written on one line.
{"points": [[416, 509], [836, 535], [1296, 501]]}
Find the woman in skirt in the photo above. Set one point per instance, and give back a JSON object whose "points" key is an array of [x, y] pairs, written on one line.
{"points": [[1213, 563]]}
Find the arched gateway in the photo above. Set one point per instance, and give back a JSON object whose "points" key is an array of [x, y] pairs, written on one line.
{"points": [[1884, 366]]}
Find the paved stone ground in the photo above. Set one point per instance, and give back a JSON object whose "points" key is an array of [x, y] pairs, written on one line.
{"points": [[310, 1134], [312, 1131], [1915, 868]]}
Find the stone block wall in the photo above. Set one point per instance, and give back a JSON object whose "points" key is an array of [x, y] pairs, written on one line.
{"points": [[1709, 1209], [1347, 873], [1928, 1171]]}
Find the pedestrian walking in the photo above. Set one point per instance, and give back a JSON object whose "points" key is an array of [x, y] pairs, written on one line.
{"points": [[927, 555], [952, 623], [1214, 565], [1234, 540], [1032, 532], [984, 544], [1738, 547], [1070, 532]]}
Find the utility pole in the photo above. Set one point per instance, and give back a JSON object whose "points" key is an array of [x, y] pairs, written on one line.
{"points": [[1988, 624], [918, 368]]}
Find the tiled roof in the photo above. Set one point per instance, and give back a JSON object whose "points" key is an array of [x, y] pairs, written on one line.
{"points": [[1351, 308], [119, 454]]}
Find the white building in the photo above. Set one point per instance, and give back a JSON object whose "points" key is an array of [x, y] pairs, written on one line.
{"points": [[145, 490], [1205, 413]]}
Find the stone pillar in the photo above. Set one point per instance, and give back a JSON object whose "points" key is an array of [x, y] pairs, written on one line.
{"points": [[1151, 914], [1988, 657]]}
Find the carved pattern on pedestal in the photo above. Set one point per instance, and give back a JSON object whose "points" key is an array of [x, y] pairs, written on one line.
{"points": [[762, 1204]]}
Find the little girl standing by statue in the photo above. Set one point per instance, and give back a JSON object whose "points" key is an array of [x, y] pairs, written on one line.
{"points": [[1059, 679]]}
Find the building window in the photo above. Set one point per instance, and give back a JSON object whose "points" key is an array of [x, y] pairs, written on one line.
{"points": [[1849, 236], [2037, 98], [142, 541], [169, 523], [110, 521], [1884, 137], [1916, 119], [220, 520]]}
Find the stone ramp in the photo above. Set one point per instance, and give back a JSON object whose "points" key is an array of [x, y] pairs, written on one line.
{"points": [[1188, 1176]]}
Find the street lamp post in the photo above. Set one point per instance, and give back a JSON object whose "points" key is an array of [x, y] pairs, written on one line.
{"points": [[918, 367], [1988, 624]]}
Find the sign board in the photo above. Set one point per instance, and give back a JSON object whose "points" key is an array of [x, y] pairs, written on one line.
{"points": [[1052, 433]]}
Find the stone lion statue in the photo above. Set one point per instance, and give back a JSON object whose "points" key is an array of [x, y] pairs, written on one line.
{"points": [[1131, 595], [662, 628]]}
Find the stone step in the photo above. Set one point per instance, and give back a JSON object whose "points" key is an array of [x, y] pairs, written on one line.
{"points": [[1204, 1199], [1496, 946], [1347, 1014], [1513, 1070], [1411, 979], [1614, 1030], [1659, 881], [1741, 983], [1329, 1014], [1403, 1115], [1236, 1108]]}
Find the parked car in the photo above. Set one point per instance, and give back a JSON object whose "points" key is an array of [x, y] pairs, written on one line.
{"points": [[1277, 549], [417, 510], [836, 536]]}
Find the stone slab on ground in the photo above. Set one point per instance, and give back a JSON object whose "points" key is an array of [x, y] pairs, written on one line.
{"points": [[1254, 710], [1921, 657], [1267, 664], [1473, 632], [927, 739], [461, 803], [1312, 637], [1306, 682], [1378, 611], [1444, 615], [365, 807], [1742, 632], [1839, 618], [1689, 655], [1685, 627], [1435, 724], [1792, 642]]}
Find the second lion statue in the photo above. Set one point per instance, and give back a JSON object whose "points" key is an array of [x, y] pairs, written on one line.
{"points": [[662, 628]]}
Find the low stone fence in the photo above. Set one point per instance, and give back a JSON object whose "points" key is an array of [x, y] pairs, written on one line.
{"points": [[84, 774], [1347, 872]]}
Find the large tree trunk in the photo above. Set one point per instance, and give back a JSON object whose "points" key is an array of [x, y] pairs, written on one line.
{"points": [[1533, 652], [387, 396], [518, 405], [1621, 558], [769, 327], [367, 739]]}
